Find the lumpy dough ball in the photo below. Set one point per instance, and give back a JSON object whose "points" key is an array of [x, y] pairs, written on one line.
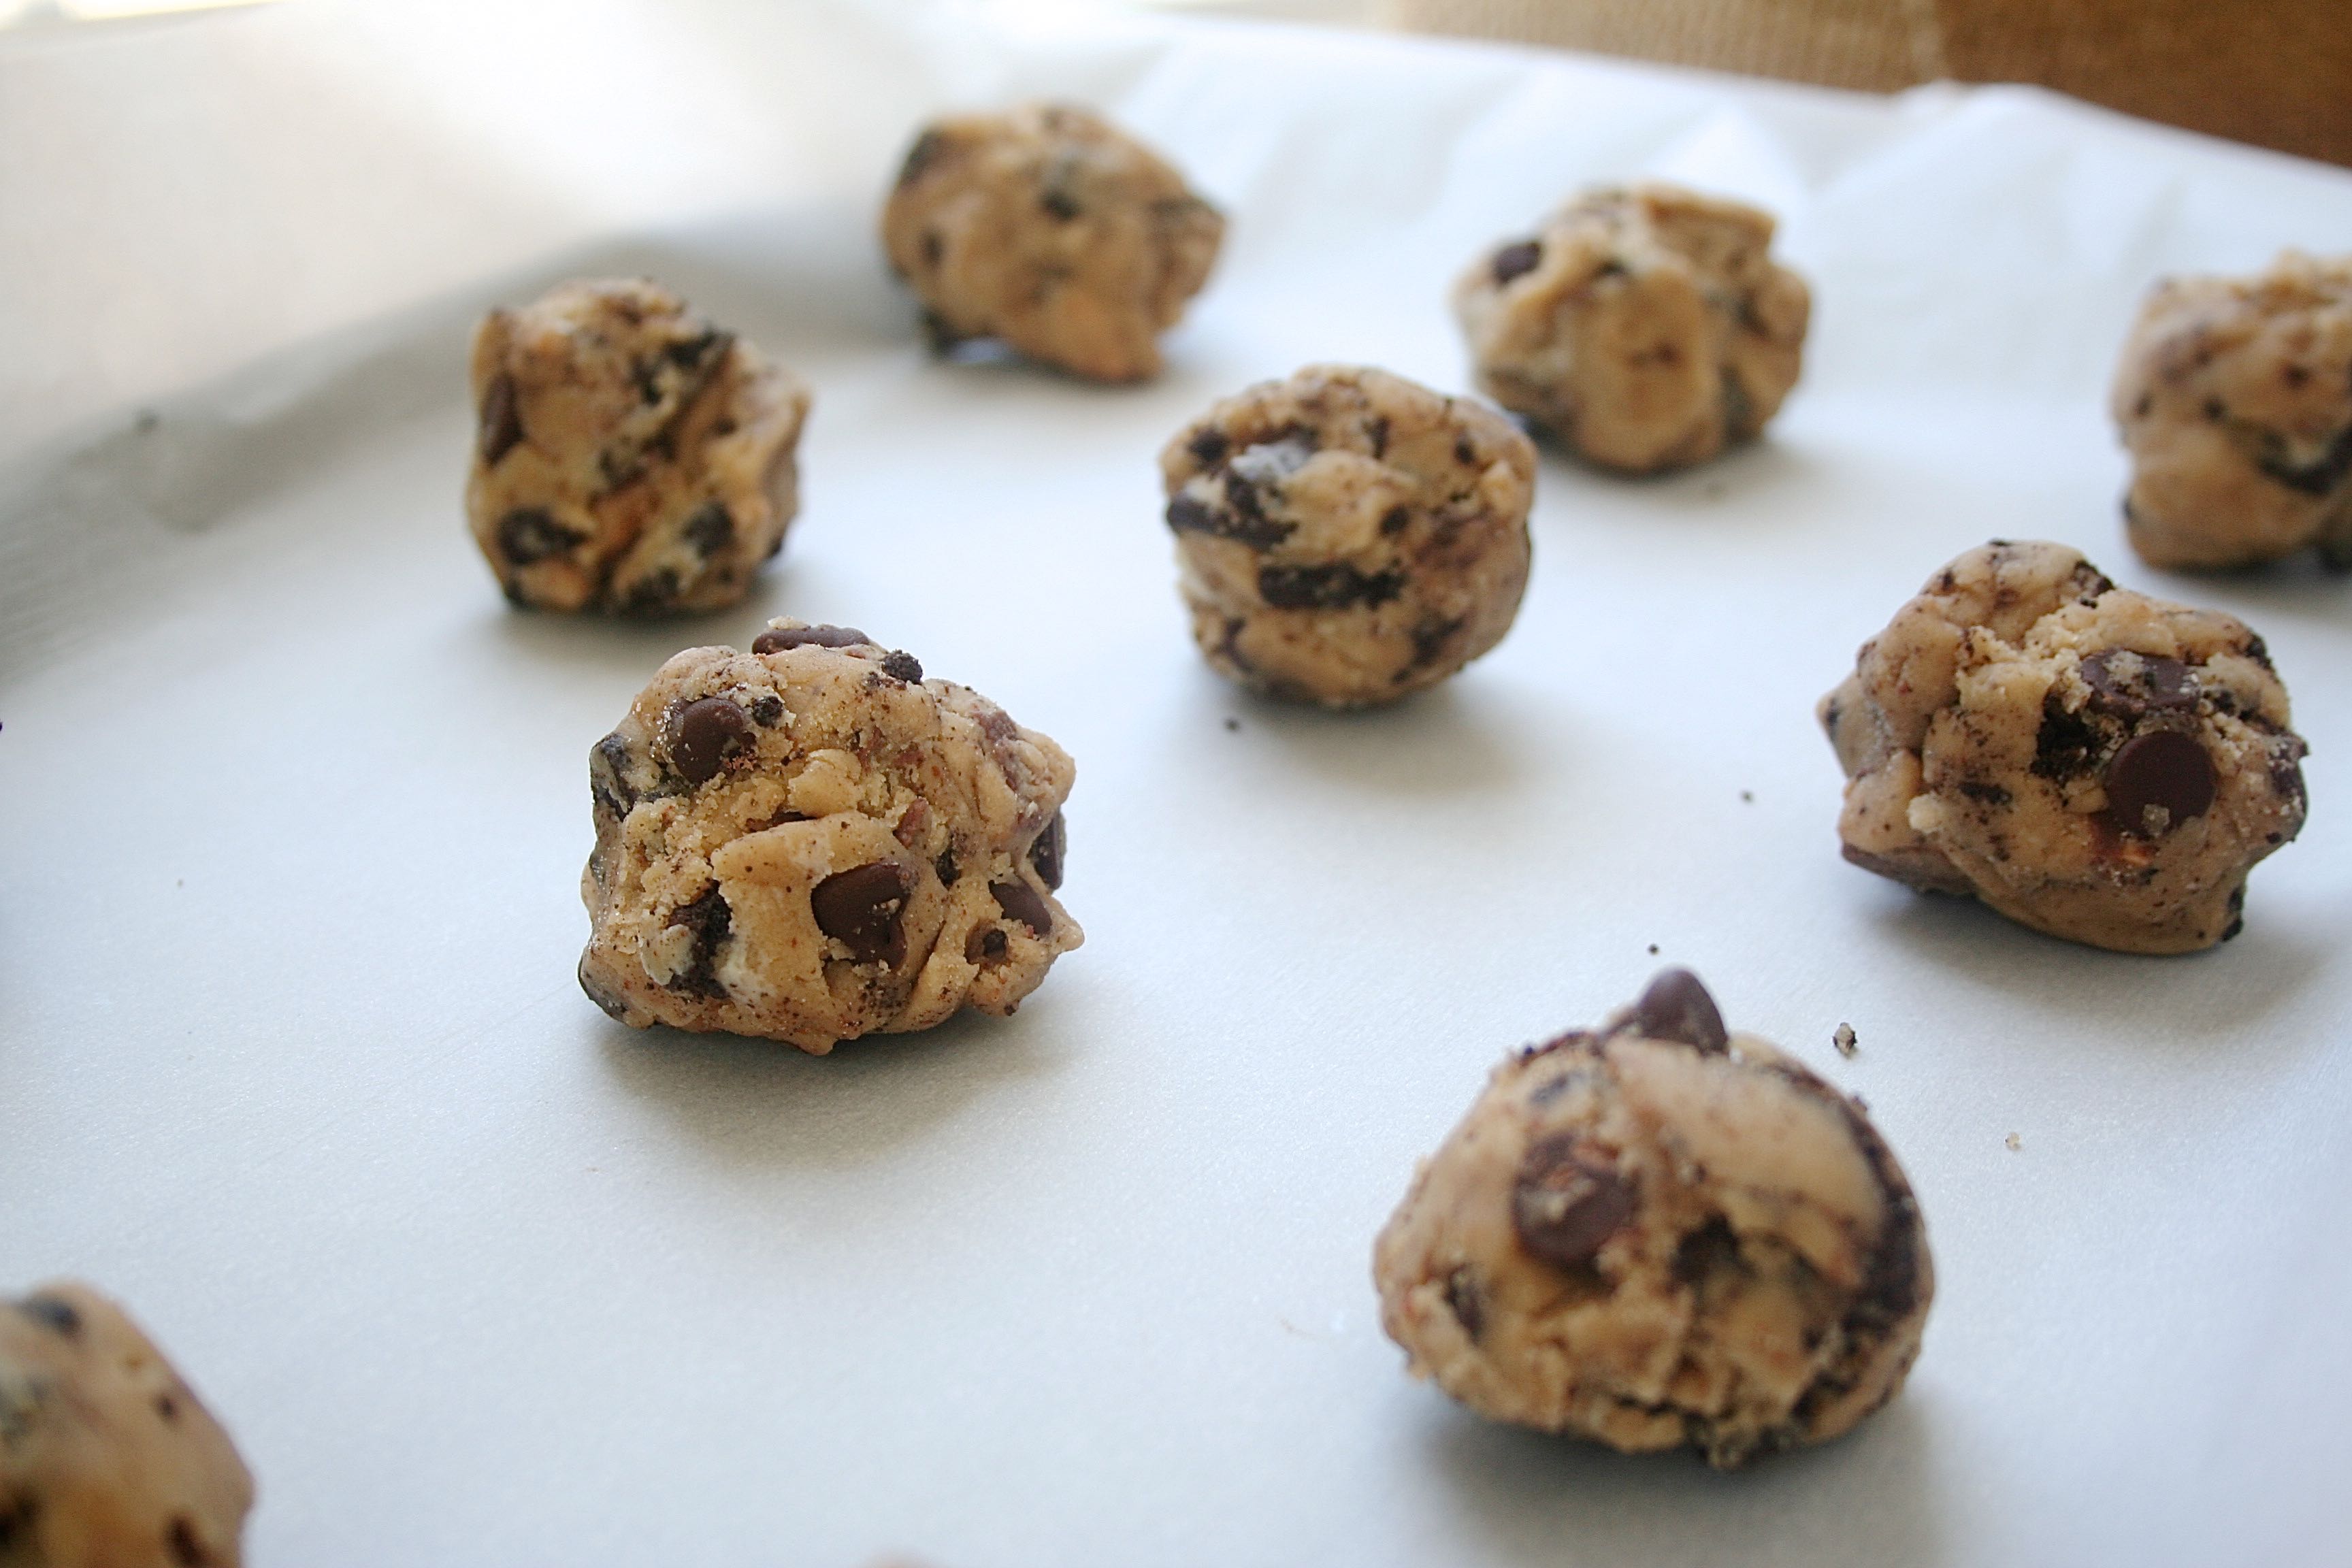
{"points": [[2235, 397], [107, 1458], [1052, 231], [2092, 763], [811, 842], [629, 457], [1647, 327], [1659, 1234], [1346, 537]]}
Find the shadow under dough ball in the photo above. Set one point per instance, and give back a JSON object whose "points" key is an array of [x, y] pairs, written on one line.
{"points": [[1348, 536], [1659, 1234], [1051, 230], [811, 842], [2093, 763], [1647, 327], [630, 457], [108, 1460], [2235, 397]]}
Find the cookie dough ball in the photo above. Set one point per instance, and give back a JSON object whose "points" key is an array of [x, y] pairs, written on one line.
{"points": [[2235, 397], [1347, 536], [630, 456], [1648, 327], [1658, 1234], [1052, 231], [2090, 761], [811, 842], [107, 1458]]}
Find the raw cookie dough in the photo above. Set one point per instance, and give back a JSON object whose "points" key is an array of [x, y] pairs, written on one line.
{"points": [[629, 457], [2235, 398], [811, 842], [1659, 1234], [107, 1458], [1648, 326], [1050, 229], [1347, 536], [2090, 761]]}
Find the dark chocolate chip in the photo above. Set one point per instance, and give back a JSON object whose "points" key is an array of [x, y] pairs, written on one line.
{"points": [[2287, 770], [1465, 452], [652, 594], [52, 1312], [1020, 901], [614, 1005], [1522, 255], [1677, 1007], [528, 533], [709, 530], [702, 735], [1336, 586], [1568, 1201], [944, 864], [1981, 793], [861, 908], [1710, 1249], [900, 665], [501, 420], [986, 945], [187, 1549], [2165, 769], [1059, 202], [168, 1408], [1188, 514], [1396, 521], [1430, 636], [695, 353], [1465, 1301], [1208, 445], [2322, 475], [2157, 684], [711, 920], [1045, 852], [777, 639], [768, 710], [1378, 429]]}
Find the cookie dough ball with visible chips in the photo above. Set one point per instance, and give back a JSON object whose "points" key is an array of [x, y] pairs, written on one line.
{"points": [[1346, 537], [1648, 327], [1659, 1234], [107, 1458], [630, 456], [1052, 231], [2090, 761], [2235, 399], [811, 842]]}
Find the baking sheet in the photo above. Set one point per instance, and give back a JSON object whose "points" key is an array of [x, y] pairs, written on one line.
{"points": [[291, 1058]]}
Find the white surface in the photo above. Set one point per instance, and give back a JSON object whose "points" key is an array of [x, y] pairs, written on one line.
{"points": [[291, 1058]]}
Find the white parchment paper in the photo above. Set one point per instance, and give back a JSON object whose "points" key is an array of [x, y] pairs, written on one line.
{"points": [[290, 1054]]}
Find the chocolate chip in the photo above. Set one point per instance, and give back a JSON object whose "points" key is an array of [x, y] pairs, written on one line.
{"points": [[1378, 429], [1710, 1249], [653, 593], [501, 421], [1336, 586], [187, 1549], [710, 529], [168, 1408], [695, 353], [712, 921], [1523, 255], [1045, 852], [702, 735], [2319, 477], [775, 639], [1060, 203], [2127, 685], [2287, 770], [1568, 1201], [1677, 1007], [1976, 790], [1464, 453], [1465, 1301], [1208, 444], [2164, 769], [1397, 520], [51, 1312], [530, 534], [613, 1005], [861, 908], [1020, 901], [986, 945], [608, 784], [1430, 636], [944, 864], [1190, 514], [768, 710], [901, 665]]}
